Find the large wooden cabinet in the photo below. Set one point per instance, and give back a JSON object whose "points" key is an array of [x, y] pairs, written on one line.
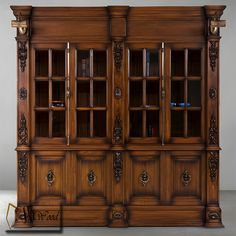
{"points": [[118, 116]]}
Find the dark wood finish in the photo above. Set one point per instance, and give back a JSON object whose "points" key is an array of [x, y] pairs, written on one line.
{"points": [[118, 119]]}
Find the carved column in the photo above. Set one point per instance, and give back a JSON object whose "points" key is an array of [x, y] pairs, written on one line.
{"points": [[118, 14], [213, 211], [22, 24]]}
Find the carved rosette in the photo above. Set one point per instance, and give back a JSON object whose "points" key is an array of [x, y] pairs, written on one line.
{"points": [[22, 165], [117, 166], [213, 131], [213, 165], [212, 93], [118, 55], [91, 177], [50, 177], [117, 131], [186, 178], [144, 178], [22, 54], [22, 131], [213, 54], [22, 93]]}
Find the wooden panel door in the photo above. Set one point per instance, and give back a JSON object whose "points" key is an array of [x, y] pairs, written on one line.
{"points": [[143, 178]]}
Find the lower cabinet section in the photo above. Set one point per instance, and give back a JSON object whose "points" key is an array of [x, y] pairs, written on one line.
{"points": [[117, 189]]}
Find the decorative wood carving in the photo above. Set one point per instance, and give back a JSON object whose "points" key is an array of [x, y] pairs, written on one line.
{"points": [[118, 55], [118, 166], [22, 131], [22, 54], [213, 165], [50, 177], [22, 93], [118, 93], [22, 165], [117, 131], [213, 215], [91, 177], [118, 216], [186, 178], [212, 93], [213, 131], [213, 54], [144, 178]]}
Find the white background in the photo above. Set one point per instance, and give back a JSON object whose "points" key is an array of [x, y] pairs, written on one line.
{"points": [[8, 83]]}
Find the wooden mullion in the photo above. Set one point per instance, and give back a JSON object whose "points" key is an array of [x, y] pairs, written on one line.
{"points": [[186, 92], [144, 110], [50, 91]]}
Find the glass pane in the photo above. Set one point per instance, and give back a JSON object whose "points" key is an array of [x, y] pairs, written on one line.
{"points": [[194, 123], [58, 93], [41, 93], [41, 63], [152, 123], [58, 124], [136, 63], [136, 121], [99, 93], [177, 93], [177, 63], [83, 64], [41, 123], [194, 93], [152, 93], [99, 123], [83, 123], [58, 63], [152, 62], [83, 88], [136, 93], [177, 123], [194, 62], [99, 63]]}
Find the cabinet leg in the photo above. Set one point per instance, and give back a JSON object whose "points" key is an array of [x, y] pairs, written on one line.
{"points": [[23, 217], [213, 217]]}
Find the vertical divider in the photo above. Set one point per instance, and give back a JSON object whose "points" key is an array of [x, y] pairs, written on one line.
{"points": [[68, 94], [91, 93], [50, 91], [163, 91], [185, 92]]}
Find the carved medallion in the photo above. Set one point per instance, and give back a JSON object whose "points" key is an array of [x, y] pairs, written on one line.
{"points": [[212, 93], [22, 54], [213, 132], [118, 55], [213, 215], [91, 177], [144, 178], [117, 166], [22, 131], [186, 178], [118, 93], [22, 93], [22, 165], [213, 54], [50, 177], [117, 131], [213, 165]]}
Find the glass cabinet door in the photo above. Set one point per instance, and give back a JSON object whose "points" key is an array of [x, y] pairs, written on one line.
{"points": [[49, 83], [144, 90], [186, 93], [91, 89]]}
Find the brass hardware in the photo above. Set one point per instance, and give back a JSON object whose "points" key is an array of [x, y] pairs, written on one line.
{"points": [[50, 177], [216, 24], [144, 178], [7, 214], [186, 178], [91, 177], [20, 25]]}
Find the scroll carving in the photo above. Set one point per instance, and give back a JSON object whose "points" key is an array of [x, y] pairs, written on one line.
{"points": [[22, 165], [213, 132], [117, 131], [118, 55], [118, 166], [22, 93], [22, 54], [22, 131], [213, 54], [213, 165]]}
